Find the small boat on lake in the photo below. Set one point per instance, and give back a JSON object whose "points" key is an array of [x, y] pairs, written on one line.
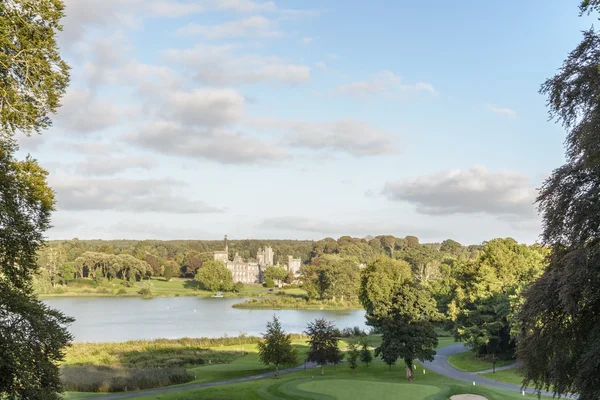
{"points": [[219, 294]]}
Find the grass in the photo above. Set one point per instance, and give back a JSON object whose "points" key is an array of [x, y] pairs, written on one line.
{"points": [[161, 288], [468, 361], [374, 382], [287, 302], [512, 376], [246, 365]]}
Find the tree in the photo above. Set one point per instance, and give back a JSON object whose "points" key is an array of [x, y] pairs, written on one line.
{"points": [[353, 355], [31, 334], [33, 75], [323, 343], [50, 259], [155, 266], [401, 311], [481, 305], [559, 341], [169, 269], [332, 277], [276, 347], [238, 287], [275, 273], [214, 276], [389, 354], [269, 283], [365, 352]]}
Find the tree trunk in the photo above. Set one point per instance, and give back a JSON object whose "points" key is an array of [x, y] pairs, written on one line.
{"points": [[322, 370], [408, 366], [277, 371]]}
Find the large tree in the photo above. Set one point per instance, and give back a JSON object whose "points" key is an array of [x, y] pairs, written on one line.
{"points": [[332, 277], [560, 324], [214, 275], [31, 334], [33, 78], [276, 346], [323, 343], [401, 311]]}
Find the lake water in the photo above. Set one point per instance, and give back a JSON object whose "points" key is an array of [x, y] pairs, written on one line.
{"points": [[105, 319]]}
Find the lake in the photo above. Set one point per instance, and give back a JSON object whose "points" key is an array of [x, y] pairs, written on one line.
{"points": [[109, 319]]}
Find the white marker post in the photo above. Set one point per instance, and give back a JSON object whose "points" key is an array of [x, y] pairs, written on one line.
{"points": [[473, 383], [423, 372]]}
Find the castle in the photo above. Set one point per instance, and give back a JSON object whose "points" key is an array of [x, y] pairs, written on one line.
{"points": [[252, 272]]}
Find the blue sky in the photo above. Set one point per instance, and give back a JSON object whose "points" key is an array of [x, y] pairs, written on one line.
{"points": [[305, 119]]}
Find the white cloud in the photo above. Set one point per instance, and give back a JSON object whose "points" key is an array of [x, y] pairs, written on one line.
{"points": [[321, 65], [255, 26], [205, 107], [474, 190], [167, 137], [306, 40], [351, 136], [507, 112], [354, 228], [174, 9], [107, 165], [218, 65], [82, 113], [380, 82], [144, 195]]}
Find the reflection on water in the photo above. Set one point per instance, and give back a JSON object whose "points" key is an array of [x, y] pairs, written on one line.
{"points": [[105, 319]]}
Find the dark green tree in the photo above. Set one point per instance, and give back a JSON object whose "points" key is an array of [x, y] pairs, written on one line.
{"points": [[353, 355], [559, 341], [276, 347], [323, 343], [276, 273], [366, 356]]}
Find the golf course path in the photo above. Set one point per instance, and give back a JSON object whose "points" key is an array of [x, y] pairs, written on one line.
{"points": [[440, 365], [509, 366]]}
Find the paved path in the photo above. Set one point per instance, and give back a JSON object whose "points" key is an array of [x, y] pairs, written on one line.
{"points": [[509, 366], [439, 365]]}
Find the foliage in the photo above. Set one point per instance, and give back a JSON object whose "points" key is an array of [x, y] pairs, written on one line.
{"points": [[33, 75], [269, 283], [331, 277], [214, 276], [323, 343], [366, 356], [352, 355], [485, 293], [168, 271], [559, 339], [276, 346], [238, 287], [31, 334], [117, 379], [295, 303], [401, 311], [276, 273], [147, 289]]}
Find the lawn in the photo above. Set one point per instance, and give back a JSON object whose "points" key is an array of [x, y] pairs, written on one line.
{"points": [[375, 382], [468, 361], [511, 375]]}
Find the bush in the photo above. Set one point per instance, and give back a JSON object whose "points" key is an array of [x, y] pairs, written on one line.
{"points": [[238, 287], [168, 274], [121, 291], [102, 290], [147, 289], [98, 279], [352, 332], [269, 283], [115, 379]]}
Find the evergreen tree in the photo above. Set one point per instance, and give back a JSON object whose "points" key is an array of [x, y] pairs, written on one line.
{"points": [[353, 355], [276, 347]]}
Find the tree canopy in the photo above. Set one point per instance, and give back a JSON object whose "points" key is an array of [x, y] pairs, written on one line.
{"points": [[276, 346], [323, 343], [214, 275], [559, 341]]}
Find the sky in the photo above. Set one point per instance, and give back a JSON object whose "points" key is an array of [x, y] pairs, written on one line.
{"points": [[305, 119]]}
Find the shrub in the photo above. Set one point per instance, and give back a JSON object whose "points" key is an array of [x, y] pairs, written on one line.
{"points": [[147, 289], [115, 379], [121, 291], [269, 283], [102, 290], [238, 287], [168, 273]]}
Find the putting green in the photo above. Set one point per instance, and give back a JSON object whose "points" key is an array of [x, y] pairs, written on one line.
{"points": [[349, 389]]}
